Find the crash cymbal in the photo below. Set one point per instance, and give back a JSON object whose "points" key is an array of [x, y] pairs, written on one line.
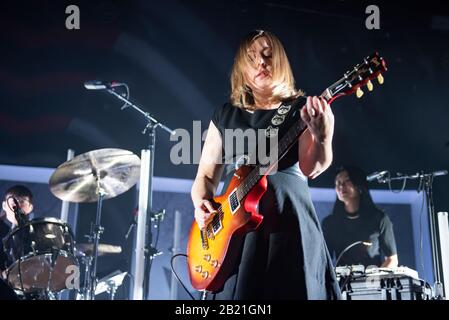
{"points": [[114, 171], [103, 249]]}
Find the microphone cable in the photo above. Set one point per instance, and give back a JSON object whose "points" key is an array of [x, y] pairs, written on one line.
{"points": [[349, 277], [366, 243]]}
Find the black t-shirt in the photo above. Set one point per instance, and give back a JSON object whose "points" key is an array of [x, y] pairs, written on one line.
{"points": [[341, 230], [4, 230], [6, 293]]}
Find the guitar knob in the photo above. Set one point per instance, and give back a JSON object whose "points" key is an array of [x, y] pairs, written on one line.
{"points": [[214, 263], [198, 269], [205, 275], [369, 85], [380, 79], [207, 257], [359, 93]]}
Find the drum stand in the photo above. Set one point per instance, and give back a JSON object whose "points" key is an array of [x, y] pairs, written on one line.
{"points": [[85, 291], [112, 289], [48, 294]]}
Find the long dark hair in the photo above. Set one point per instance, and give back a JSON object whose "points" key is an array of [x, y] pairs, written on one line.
{"points": [[358, 178]]}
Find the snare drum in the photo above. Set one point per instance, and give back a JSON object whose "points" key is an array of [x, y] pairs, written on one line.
{"points": [[39, 254]]}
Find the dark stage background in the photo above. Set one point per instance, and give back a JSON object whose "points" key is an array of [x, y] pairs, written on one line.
{"points": [[176, 58]]}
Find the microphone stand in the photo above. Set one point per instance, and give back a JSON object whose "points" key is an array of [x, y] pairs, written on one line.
{"points": [[425, 182], [144, 252]]}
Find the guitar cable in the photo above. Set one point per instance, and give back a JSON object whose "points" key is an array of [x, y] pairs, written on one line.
{"points": [[176, 275]]}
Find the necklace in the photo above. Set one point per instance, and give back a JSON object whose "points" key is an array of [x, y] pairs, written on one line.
{"points": [[352, 217]]}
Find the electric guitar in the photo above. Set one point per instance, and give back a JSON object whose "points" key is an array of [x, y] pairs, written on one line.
{"points": [[212, 253]]}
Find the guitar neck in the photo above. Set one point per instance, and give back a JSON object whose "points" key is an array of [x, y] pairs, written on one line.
{"points": [[286, 142], [372, 66]]}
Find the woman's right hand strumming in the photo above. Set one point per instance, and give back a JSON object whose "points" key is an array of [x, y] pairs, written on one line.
{"points": [[204, 212]]}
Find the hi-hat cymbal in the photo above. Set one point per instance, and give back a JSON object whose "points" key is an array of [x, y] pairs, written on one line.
{"points": [[103, 249], [113, 171]]}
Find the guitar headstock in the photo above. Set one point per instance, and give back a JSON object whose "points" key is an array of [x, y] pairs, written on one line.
{"points": [[372, 67]]}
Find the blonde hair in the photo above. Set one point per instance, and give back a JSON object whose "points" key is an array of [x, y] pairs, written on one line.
{"points": [[282, 75]]}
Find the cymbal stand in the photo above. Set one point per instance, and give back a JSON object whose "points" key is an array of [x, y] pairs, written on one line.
{"points": [[97, 230]]}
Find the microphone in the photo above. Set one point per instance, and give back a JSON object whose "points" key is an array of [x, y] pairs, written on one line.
{"points": [[101, 85], [20, 216], [133, 223], [439, 173], [375, 175], [131, 226], [16, 206], [365, 243]]}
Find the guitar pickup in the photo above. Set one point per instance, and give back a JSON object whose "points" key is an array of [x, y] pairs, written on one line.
{"points": [[234, 201], [204, 241], [210, 232], [216, 224]]}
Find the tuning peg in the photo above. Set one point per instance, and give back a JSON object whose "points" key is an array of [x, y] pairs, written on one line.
{"points": [[359, 93], [369, 85], [380, 79]]}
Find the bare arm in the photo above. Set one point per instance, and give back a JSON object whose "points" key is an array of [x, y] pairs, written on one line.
{"points": [[315, 144], [208, 176]]}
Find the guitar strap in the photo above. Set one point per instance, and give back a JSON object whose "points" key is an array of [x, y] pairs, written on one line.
{"points": [[283, 113], [280, 116]]}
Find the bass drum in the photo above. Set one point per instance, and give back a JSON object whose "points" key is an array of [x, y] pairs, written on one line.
{"points": [[41, 256]]}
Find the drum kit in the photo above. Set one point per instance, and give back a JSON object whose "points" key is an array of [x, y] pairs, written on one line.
{"points": [[43, 256]]}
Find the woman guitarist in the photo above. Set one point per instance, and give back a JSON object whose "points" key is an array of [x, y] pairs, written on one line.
{"points": [[286, 257]]}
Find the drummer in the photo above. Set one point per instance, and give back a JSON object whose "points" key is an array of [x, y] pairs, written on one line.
{"points": [[17, 204]]}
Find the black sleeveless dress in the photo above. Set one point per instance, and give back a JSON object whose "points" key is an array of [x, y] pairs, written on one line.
{"points": [[286, 257]]}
